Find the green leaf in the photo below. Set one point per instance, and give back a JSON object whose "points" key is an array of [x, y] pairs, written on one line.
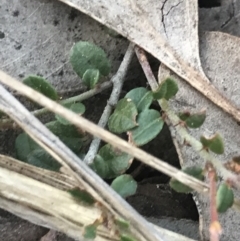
{"points": [[101, 167], [91, 77], [194, 171], [214, 143], [125, 237], [84, 56], [82, 196], [72, 143], [141, 97], [122, 224], [193, 120], [25, 145], [225, 198], [167, 89], [124, 185], [111, 162], [77, 108], [41, 85], [90, 231], [61, 130], [123, 117], [149, 126], [40, 158]]}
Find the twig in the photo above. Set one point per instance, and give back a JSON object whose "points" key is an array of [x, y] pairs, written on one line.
{"points": [[8, 123], [117, 81], [215, 227]]}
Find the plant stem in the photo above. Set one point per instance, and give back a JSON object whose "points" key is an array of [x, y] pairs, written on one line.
{"points": [[215, 227], [8, 123], [173, 120], [117, 81]]}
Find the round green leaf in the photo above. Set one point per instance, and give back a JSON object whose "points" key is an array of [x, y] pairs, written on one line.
{"points": [[225, 198], [214, 143], [41, 85], [91, 77], [194, 171], [167, 89], [78, 108], [149, 126], [101, 167], [25, 145], [123, 117], [84, 56], [111, 162], [61, 130], [193, 120], [72, 143], [124, 185], [40, 158], [141, 97]]}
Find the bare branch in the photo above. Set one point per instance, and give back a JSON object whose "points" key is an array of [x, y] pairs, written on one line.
{"points": [[117, 81]]}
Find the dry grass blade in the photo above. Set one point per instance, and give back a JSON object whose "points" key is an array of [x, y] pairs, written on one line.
{"points": [[56, 209]]}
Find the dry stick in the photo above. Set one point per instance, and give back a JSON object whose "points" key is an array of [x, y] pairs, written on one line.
{"points": [[139, 227], [117, 81], [8, 123]]}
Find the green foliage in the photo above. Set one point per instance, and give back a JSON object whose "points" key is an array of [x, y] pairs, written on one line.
{"points": [[41, 85], [82, 196], [40, 158], [166, 90], [193, 120], [124, 185], [125, 237], [141, 97], [78, 108], [27, 150], [194, 171], [110, 162], [122, 224], [91, 77], [214, 143], [225, 198], [149, 126], [84, 56], [24, 145], [61, 130], [90, 231], [123, 117]]}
